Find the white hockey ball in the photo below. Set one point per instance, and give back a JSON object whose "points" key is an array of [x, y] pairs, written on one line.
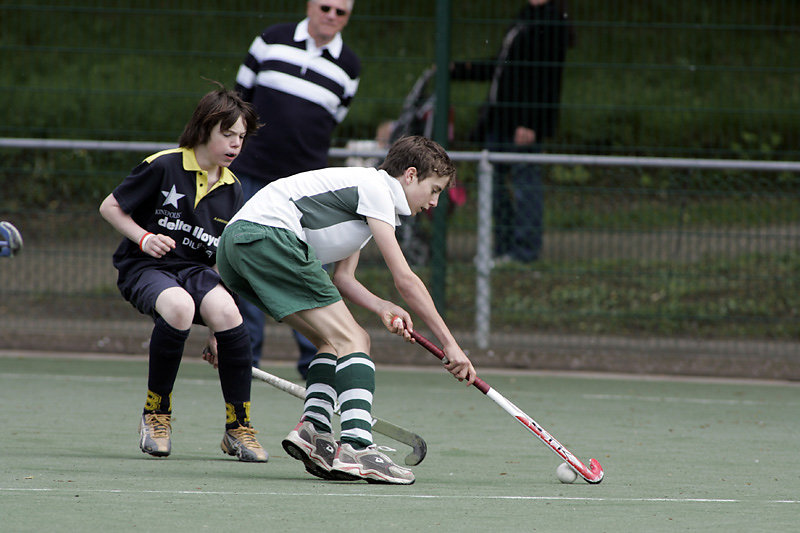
{"points": [[565, 473]]}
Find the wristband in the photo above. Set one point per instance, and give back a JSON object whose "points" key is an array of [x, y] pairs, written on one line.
{"points": [[144, 240]]}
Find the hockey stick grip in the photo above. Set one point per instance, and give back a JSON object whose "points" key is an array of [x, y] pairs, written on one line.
{"points": [[435, 350]]}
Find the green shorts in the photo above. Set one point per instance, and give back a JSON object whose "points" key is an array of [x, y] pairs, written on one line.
{"points": [[274, 269]]}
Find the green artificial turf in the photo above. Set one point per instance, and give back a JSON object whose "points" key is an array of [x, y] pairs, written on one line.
{"points": [[696, 455]]}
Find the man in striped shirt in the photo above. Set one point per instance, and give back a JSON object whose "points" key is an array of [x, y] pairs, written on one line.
{"points": [[301, 78]]}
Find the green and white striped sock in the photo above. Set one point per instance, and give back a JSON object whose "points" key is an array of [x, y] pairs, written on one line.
{"points": [[321, 392], [355, 385]]}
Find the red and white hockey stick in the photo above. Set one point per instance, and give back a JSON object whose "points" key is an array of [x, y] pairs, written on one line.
{"points": [[593, 473]]}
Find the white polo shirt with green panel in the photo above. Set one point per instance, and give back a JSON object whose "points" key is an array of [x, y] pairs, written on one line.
{"points": [[328, 208]]}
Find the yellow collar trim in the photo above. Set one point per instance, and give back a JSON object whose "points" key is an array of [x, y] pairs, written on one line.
{"points": [[226, 177]]}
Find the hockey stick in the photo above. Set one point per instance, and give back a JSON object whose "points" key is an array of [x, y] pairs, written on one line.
{"points": [[592, 474], [418, 446]]}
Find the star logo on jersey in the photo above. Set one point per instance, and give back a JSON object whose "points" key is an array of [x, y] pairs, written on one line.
{"points": [[172, 196]]}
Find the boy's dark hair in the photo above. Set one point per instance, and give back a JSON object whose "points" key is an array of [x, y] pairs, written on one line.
{"points": [[425, 155], [222, 107]]}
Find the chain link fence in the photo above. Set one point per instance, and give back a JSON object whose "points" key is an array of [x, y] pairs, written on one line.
{"points": [[644, 264]]}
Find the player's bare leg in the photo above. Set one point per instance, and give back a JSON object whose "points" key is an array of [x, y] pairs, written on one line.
{"points": [[347, 374]]}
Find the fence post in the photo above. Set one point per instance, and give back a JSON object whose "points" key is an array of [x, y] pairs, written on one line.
{"points": [[483, 256], [438, 283]]}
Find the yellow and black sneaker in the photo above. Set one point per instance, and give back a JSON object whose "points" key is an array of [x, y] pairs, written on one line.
{"points": [[155, 430], [241, 442]]}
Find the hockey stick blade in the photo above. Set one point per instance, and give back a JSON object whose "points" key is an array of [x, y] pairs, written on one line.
{"points": [[592, 474], [419, 447]]}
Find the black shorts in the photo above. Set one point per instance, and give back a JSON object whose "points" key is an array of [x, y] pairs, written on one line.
{"points": [[196, 280]]}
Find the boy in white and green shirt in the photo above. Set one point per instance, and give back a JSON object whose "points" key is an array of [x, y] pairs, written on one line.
{"points": [[272, 254]]}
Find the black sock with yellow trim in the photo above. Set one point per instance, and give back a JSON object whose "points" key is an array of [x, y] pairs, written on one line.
{"points": [[237, 414], [235, 374], [166, 351]]}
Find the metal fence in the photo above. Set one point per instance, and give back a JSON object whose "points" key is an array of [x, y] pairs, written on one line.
{"points": [[677, 280], [695, 79], [678, 254]]}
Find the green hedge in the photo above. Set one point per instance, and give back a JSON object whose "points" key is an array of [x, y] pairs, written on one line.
{"points": [[655, 78]]}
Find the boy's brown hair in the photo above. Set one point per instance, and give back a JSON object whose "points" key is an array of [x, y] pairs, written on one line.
{"points": [[427, 156], [223, 107]]}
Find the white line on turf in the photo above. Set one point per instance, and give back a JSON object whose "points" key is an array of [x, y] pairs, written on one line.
{"points": [[489, 370], [212, 381], [407, 496], [671, 399], [101, 379], [69, 377]]}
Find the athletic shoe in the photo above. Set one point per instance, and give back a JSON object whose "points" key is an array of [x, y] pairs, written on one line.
{"points": [[314, 448], [371, 465], [241, 442], [155, 430]]}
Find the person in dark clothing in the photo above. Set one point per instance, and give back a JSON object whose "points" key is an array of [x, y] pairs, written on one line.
{"points": [[301, 78], [521, 111], [171, 210]]}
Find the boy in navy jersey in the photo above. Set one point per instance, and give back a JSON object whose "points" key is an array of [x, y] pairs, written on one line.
{"points": [[272, 254], [172, 209]]}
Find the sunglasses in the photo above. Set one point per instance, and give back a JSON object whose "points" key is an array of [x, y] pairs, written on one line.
{"points": [[326, 9]]}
